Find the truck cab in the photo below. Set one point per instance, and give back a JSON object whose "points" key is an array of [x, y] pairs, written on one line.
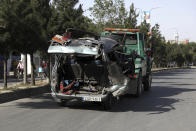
{"points": [[134, 42]]}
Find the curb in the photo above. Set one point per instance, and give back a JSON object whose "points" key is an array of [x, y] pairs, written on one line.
{"points": [[23, 93], [167, 69]]}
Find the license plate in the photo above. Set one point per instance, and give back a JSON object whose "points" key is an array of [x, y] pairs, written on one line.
{"points": [[87, 98]]}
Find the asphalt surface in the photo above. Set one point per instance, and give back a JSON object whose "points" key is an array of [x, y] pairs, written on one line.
{"points": [[169, 106]]}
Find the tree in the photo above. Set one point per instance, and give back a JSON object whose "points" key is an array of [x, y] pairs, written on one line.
{"points": [[29, 21], [158, 47], [68, 16], [179, 56], [4, 51], [122, 15], [109, 13], [145, 29], [5, 36], [131, 21], [100, 11]]}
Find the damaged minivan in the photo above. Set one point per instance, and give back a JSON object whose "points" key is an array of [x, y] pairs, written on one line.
{"points": [[91, 68]]}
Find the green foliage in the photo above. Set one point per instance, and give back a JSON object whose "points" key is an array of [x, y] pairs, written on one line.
{"points": [[5, 30], [131, 21], [122, 15], [28, 25], [145, 28], [109, 13], [158, 46], [67, 16]]}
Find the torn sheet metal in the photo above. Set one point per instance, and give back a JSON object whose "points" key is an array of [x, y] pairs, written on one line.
{"points": [[108, 71], [74, 46], [73, 50], [60, 39]]}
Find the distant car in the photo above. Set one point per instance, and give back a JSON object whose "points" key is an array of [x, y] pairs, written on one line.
{"points": [[171, 64], [190, 64]]}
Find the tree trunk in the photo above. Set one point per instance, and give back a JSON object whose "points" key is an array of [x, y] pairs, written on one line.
{"points": [[5, 73], [32, 71], [25, 68], [50, 68]]}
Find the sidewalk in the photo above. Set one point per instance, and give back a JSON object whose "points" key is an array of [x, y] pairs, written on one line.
{"points": [[13, 82], [17, 90], [10, 82], [162, 69]]}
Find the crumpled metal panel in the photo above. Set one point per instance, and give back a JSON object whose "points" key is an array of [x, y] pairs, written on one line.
{"points": [[73, 50]]}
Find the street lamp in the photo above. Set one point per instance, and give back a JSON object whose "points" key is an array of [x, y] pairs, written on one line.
{"points": [[145, 14], [148, 13], [154, 8]]}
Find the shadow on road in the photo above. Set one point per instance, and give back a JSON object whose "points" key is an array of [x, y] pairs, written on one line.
{"points": [[39, 102], [158, 100], [47, 102]]}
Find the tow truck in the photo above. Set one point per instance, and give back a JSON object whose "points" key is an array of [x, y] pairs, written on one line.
{"points": [[133, 41], [94, 68]]}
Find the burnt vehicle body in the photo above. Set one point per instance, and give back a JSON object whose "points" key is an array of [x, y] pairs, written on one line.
{"points": [[91, 69]]}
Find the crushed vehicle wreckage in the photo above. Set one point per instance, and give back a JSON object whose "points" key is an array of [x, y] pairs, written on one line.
{"points": [[91, 68]]}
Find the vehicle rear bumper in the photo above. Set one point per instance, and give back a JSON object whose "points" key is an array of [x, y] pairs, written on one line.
{"points": [[81, 97]]}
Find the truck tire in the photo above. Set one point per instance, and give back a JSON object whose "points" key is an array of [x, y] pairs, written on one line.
{"points": [[147, 82], [62, 103], [107, 104], [139, 85]]}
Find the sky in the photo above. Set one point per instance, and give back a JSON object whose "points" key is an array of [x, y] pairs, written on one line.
{"points": [[173, 16]]}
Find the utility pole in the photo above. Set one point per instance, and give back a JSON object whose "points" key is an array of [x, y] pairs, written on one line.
{"points": [[176, 35]]}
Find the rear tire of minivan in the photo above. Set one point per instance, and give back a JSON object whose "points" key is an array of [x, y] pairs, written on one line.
{"points": [[107, 104], [148, 82]]}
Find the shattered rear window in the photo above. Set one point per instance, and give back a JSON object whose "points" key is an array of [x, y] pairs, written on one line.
{"points": [[79, 42], [131, 39], [116, 37]]}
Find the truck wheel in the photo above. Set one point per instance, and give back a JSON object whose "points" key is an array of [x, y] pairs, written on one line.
{"points": [[62, 103], [147, 82], [139, 85], [107, 104]]}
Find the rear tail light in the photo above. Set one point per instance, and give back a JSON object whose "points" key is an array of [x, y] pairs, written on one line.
{"points": [[149, 53], [61, 86], [133, 76]]}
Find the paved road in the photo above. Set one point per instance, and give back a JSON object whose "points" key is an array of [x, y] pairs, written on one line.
{"points": [[169, 106]]}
